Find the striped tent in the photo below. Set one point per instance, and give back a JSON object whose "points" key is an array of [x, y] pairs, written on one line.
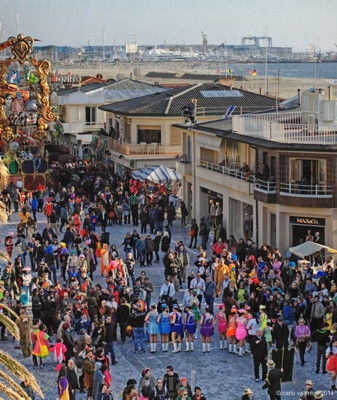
{"points": [[158, 174]]}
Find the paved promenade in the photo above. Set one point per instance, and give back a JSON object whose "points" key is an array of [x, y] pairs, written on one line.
{"points": [[222, 376]]}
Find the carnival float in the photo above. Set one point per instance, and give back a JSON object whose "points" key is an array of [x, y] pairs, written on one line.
{"points": [[25, 113]]}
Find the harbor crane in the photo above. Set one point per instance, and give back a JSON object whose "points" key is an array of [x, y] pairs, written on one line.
{"points": [[256, 40]]}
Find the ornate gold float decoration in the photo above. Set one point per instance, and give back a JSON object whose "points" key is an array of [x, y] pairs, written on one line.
{"points": [[21, 48]]}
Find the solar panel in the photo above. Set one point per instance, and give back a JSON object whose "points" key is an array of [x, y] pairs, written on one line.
{"points": [[221, 93]]}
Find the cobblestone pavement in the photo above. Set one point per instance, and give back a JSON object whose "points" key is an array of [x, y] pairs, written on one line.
{"points": [[222, 376]]}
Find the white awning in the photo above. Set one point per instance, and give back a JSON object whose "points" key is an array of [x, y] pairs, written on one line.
{"points": [[158, 174], [307, 248]]}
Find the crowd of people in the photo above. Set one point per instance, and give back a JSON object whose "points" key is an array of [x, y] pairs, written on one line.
{"points": [[76, 294]]}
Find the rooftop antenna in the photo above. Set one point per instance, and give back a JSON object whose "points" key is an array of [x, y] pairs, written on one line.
{"points": [[17, 22]]}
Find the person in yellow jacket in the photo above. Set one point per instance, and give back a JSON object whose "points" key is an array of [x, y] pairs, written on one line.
{"points": [[24, 216]]}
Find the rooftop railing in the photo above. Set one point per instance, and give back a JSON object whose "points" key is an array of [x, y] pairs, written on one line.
{"points": [[283, 127]]}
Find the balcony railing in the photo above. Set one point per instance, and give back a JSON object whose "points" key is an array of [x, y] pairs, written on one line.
{"points": [[78, 127], [142, 148], [235, 173], [265, 186], [307, 190], [284, 127]]}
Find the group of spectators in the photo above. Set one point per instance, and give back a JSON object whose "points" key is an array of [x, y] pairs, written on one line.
{"points": [[256, 299]]}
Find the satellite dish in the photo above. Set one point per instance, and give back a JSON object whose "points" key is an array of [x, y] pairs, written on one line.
{"points": [[120, 77], [136, 71]]}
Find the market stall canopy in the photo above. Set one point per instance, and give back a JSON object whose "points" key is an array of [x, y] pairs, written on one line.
{"points": [[307, 248], [158, 174]]}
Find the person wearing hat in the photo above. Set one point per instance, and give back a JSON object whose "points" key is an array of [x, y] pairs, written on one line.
{"points": [[273, 381], [183, 384], [308, 391], [281, 334], [247, 394], [147, 383]]}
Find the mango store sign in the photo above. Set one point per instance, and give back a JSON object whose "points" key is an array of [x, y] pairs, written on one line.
{"points": [[74, 79]]}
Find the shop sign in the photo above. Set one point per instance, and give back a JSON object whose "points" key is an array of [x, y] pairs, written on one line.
{"points": [[74, 79], [307, 221]]}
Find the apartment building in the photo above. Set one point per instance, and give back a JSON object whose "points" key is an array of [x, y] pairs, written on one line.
{"points": [[273, 174]]}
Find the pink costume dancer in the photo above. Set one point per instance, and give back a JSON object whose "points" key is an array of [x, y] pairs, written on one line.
{"points": [[241, 331]]}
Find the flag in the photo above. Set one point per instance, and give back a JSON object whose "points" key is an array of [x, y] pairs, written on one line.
{"points": [[253, 72], [31, 78], [218, 71], [229, 71]]}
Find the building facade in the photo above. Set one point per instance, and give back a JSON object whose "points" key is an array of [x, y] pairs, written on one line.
{"points": [[273, 174], [143, 128]]}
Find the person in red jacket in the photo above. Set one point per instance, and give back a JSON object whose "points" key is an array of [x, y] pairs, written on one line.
{"points": [[218, 247], [48, 209]]}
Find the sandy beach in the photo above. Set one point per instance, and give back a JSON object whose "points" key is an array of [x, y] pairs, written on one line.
{"points": [[281, 87]]}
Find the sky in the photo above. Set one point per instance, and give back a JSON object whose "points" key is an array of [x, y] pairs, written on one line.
{"points": [[300, 24]]}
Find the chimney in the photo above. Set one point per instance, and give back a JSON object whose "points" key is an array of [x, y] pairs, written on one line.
{"points": [[260, 91], [130, 75], [230, 87], [330, 93], [299, 97]]}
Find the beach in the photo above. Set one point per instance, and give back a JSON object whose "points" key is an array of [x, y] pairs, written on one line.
{"points": [[281, 87]]}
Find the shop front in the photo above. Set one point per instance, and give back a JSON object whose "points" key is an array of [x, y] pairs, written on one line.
{"points": [[240, 219], [208, 197], [306, 228]]}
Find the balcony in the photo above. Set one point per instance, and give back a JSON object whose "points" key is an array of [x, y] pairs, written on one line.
{"points": [[226, 176], [233, 172], [143, 150], [283, 128], [265, 191], [77, 127], [306, 190]]}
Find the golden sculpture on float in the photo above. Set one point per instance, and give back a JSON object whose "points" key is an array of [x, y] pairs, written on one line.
{"points": [[25, 111]]}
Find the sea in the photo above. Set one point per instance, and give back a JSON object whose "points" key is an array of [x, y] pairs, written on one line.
{"points": [[319, 70]]}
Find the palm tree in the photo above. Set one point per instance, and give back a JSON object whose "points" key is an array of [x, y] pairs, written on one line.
{"points": [[12, 389]]}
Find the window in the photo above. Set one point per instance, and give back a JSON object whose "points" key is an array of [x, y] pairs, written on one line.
{"points": [[313, 171], [90, 115], [149, 135]]}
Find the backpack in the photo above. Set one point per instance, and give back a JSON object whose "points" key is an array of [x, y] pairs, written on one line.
{"points": [[79, 362], [24, 246]]}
